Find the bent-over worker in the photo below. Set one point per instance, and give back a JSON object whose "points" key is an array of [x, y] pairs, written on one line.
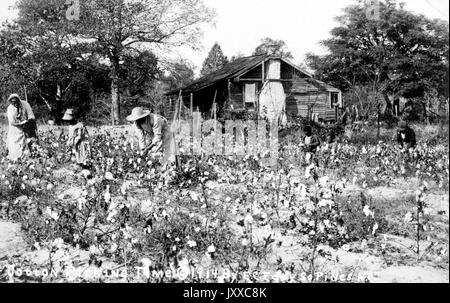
{"points": [[406, 137], [147, 125]]}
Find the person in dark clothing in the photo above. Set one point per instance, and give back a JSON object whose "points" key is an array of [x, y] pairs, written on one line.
{"points": [[331, 137], [310, 143], [31, 133], [406, 137], [408, 111], [342, 116]]}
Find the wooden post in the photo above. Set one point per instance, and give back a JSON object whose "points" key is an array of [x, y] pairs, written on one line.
{"points": [[263, 67], [176, 115], [197, 133], [192, 104], [214, 107], [229, 91], [263, 72]]}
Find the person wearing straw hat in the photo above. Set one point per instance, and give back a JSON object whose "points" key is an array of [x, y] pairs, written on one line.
{"points": [[406, 137], [20, 117], [78, 139], [145, 125]]}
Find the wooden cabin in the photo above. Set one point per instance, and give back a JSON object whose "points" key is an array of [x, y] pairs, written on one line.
{"points": [[253, 84]]}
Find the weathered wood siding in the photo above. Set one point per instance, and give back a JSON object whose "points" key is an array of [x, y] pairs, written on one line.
{"points": [[236, 100], [237, 93], [298, 103]]}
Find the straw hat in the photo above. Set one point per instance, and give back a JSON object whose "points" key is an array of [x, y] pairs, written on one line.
{"points": [[137, 114], [402, 125], [68, 115], [14, 96]]}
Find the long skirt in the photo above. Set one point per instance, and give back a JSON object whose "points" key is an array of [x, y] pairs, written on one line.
{"points": [[167, 146], [82, 153], [16, 143]]}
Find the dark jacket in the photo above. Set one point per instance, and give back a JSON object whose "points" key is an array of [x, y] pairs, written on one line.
{"points": [[410, 138], [30, 129]]}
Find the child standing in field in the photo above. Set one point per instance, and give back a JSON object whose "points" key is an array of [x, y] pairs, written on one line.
{"points": [[310, 143], [78, 140]]}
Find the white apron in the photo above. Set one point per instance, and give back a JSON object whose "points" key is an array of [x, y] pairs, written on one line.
{"points": [[16, 141]]}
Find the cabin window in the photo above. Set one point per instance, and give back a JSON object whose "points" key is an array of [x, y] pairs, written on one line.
{"points": [[250, 96], [334, 100]]}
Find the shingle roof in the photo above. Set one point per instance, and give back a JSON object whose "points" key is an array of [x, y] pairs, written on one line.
{"points": [[228, 71], [303, 86], [322, 85], [235, 69]]}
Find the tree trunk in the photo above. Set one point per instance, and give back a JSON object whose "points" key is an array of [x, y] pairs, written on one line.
{"points": [[443, 116], [378, 121], [58, 109], [425, 111], [389, 108], [115, 96]]}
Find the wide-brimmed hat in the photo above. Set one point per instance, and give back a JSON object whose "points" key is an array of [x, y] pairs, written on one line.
{"points": [[14, 96], [68, 115], [402, 125], [138, 113]]}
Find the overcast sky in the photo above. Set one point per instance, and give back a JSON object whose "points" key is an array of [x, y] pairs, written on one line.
{"points": [[241, 24]]}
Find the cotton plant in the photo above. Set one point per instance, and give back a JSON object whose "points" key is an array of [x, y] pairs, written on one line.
{"points": [[419, 218]]}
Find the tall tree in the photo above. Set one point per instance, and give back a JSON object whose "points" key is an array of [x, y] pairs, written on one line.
{"points": [[397, 54], [118, 26], [237, 56], [214, 61], [176, 74], [138, 72], [52, 68], [273, 47], [179, 73]]}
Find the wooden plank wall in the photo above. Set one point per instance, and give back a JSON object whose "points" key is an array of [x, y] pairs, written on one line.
{"points": [[298, 104], [236, 97]]}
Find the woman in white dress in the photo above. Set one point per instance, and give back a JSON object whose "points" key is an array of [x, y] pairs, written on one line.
{"points": [[19, 114]]}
